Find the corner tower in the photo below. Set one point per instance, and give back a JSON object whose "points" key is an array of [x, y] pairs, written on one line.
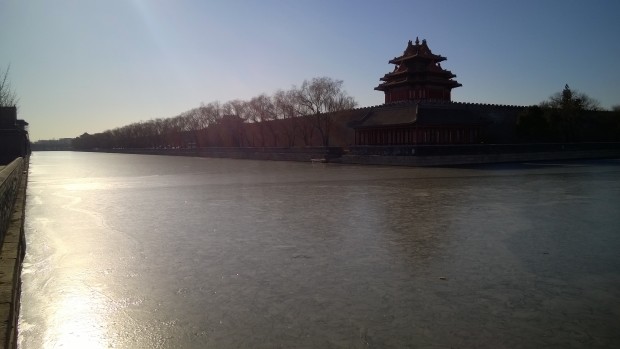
{"points": [[418, 75]]}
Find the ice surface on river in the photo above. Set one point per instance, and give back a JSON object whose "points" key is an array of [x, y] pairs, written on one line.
{"points": [[131, 251]]}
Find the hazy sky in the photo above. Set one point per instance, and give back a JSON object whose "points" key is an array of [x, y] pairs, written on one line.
{"points": [[87, 66]]}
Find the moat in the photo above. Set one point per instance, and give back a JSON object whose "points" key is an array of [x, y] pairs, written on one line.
{"points": [[138, 251]]}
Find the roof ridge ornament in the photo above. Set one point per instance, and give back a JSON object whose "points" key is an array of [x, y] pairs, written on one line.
{"points": [[417, 41]]}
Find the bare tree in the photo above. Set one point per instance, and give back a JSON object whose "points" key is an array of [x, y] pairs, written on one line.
{"points": [[209, 115], [565, 112], [201, 122], [189, 123], [287, 109], [261, 112], [236, 112], [213, 112], [321, 97], [569, 99], [8, 97]]}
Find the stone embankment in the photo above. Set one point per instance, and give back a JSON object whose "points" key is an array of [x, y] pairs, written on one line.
{"points": [[415, 155], [253, 153], [477, 154], [13, 181]]}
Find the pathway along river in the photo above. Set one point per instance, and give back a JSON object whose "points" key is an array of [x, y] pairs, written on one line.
{"points": [[134, 251]]}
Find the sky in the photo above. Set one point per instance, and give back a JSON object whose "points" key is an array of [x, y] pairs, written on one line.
{"points": [[89, 65]]}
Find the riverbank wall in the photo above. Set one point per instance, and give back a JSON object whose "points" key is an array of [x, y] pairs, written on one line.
{"points": [[13, 182], [275, 154], [438, 155], [421, 155]]}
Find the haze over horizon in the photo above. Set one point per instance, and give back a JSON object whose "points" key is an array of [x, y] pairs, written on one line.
{"points": [[89, 66]]}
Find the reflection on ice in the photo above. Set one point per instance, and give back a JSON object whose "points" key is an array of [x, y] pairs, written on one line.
{"points": [[88, 186], [79, 320]]}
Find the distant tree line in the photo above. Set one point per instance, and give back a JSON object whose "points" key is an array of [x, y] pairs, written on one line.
{"points": [[569, 116], [300, 116], [316, 114], [52, 144]]}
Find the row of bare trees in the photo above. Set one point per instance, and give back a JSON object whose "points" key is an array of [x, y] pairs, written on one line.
{"points": [[300, 116]]}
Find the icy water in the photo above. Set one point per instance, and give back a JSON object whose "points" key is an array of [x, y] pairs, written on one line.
{"points": [[132, 251]]}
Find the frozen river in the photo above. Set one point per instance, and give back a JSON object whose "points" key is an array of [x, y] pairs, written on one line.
{"points": [[133, 251]]}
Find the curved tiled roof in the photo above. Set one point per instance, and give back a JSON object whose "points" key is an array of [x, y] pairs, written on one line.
{"points": [[431, 113], [417, 50], [418, 66]]}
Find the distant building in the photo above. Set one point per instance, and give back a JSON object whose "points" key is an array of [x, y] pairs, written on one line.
{"points": [[14, 141], [418, 107], [62, 144]]}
